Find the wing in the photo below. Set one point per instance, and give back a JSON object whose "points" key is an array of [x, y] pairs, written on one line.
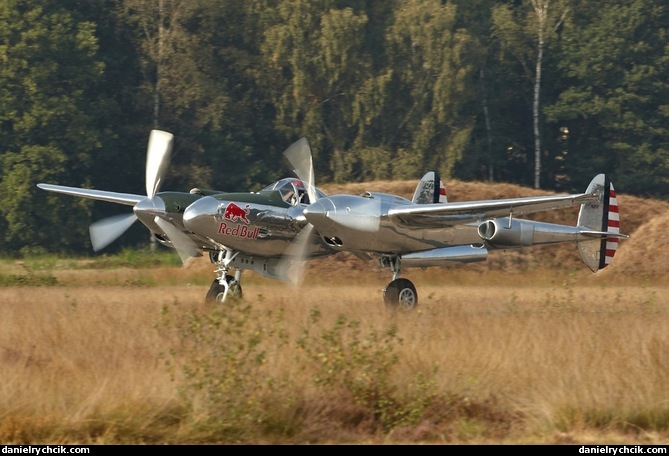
{"points": [[128, 199], [449, 214]]}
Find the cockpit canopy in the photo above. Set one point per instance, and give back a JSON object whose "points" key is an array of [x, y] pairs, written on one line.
{"points": [[293, 191]]}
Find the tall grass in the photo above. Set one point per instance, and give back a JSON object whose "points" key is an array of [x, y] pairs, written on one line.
{"points": [[123, 362]]}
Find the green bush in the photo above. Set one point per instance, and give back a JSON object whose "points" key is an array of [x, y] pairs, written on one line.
{"points": [[362, 364]]}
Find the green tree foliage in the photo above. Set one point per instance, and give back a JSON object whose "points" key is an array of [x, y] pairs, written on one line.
{"points": [[430, 58], [202, 80], [382, 90], [47, 113], [313, 49], [615, 102], [526, 32]]}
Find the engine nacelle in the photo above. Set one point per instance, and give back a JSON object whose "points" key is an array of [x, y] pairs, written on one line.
{"points": [[500, 233], [506, 233]]}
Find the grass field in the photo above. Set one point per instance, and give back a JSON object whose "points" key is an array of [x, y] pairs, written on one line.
{"points": [[115, 353]]}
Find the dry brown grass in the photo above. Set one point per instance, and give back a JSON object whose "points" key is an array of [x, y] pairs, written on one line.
{"points": [[557, 361], [528, 347]]}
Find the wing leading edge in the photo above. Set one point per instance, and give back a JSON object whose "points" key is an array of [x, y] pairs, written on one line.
{"points": [[448, 214], [128, 199]]}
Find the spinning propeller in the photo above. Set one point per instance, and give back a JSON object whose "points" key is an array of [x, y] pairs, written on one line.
{"points": [[352, 213], [158, 157], [299, 156]]}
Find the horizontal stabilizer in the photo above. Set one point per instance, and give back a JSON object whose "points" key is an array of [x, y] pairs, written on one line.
{"points": [[603, 234]]}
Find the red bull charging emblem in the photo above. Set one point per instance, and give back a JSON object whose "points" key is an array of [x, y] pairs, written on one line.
{"points": [[234, 213]]}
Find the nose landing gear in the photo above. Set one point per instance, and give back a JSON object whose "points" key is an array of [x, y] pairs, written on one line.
{"points": [[225, 286], [220, 292]]}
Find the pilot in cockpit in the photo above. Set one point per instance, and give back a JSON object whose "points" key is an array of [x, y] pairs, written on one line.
{"points": [[294, 193], [302, 195]]}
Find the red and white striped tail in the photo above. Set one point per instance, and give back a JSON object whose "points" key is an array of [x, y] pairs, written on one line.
{"points": [[602, 219], [442, 192], [430, 190], [611, 224]]}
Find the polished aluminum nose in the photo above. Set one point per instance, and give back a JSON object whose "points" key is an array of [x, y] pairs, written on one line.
{"points": [[200, 213], [344, 212], [320, 214]]}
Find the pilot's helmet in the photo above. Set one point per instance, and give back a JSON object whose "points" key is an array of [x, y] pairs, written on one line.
{"points": [[298, 184]]}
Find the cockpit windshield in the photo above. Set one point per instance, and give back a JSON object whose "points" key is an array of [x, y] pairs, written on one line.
{"points": [[293, 191]]}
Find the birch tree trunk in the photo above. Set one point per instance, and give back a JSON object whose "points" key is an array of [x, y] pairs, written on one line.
{"points": [[541, 10]]}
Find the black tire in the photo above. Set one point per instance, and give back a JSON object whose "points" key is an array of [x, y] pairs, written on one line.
{"points": [[400, 294], [216, 289]]}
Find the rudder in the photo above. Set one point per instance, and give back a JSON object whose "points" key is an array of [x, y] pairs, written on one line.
{"points": [[430, 190], [603, 216]]}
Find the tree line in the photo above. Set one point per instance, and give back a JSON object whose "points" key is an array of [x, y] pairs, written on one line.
{"points": [[543, 93]]}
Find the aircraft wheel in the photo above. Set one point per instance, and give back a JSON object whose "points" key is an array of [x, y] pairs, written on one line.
{"points": [[400, 294], [214, 290], [217, 291]]}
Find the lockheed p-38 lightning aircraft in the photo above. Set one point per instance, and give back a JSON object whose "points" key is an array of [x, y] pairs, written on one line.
{"points": [[275, 230]]}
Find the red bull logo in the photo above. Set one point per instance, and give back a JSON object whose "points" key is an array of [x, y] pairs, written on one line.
{"points": [[235, 213], [238, 230]]}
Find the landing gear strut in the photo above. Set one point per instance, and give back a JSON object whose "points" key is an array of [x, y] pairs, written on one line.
{"points": [[400, 294], [225, 286]]}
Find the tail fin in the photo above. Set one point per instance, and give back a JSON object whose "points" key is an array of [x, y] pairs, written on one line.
{"points": [[430, 190], [603, 218]]}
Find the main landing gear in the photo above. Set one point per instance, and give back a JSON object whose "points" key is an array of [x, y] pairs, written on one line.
{"points": [[225, 286], [400, 294]]}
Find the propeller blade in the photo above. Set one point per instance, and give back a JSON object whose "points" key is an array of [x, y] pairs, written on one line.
{"points": [[184, 245], [106, 231], [157, 159], [299, 156], [294, 258]]}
